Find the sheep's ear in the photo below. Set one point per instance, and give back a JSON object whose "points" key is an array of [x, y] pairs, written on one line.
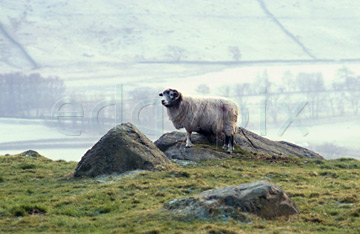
{"points": [[176, 93], [160, 94]]}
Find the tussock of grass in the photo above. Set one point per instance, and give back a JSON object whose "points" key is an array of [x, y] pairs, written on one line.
{"points": [[27, 166], [27, 209], [39, 195]]}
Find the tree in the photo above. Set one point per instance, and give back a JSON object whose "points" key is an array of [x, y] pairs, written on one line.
{"points": [[288, 82], [176, 53], [28, 95], [235, 53], [224, 90], [262, 84], [203, 89], [349, 85], [311, 84]]}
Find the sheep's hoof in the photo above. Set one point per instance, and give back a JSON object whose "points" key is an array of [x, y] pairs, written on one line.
{"points": [[230, 150], [224, 147]]}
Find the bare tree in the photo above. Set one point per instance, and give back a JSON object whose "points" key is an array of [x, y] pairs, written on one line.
{"points": [[28, 95], [235, 53], [203, 89], [176, 53], [241, 90], [224, 90], [288, 82], [262, 84], [349, 84], [311, 84]]}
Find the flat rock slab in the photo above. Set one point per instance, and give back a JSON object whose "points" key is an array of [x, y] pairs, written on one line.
{"points": [[123, 148], [169, 143], [199, 153], [261, 198], [252, 142]]}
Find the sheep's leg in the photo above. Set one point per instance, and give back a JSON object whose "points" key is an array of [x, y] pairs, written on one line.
{"points": [[231, 144], [226, 142], [188, 139]]}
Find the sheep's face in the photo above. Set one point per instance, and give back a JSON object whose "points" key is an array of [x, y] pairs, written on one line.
{"points": [[171, 97]]}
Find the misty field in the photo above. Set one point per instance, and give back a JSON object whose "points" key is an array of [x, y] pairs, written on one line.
{"points": [[41, 195]]}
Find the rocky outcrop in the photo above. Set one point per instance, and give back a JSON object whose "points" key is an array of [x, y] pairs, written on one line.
{"points": [[252, 142], [123, 148], [261, 198], [172, 144], [198, 153], [31, 154]]}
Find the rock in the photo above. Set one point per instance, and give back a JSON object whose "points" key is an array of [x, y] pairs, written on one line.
{"points": [[172, 144], [252, 142], [30, 154], [123, 148], [172, 138], [195, 208], [179, 152], [261, 198]]}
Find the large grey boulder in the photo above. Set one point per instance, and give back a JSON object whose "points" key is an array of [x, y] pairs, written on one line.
{"points": [[123, 148], [261, 198], [172, 144]]}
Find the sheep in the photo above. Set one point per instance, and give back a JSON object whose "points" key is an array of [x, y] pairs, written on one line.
{"points": [[199, 114]]}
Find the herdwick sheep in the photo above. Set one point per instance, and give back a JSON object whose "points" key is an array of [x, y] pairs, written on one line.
{"points": [[215, 116]]}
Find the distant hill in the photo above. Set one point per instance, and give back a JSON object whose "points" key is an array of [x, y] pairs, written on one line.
{"points": [[38, 34]]}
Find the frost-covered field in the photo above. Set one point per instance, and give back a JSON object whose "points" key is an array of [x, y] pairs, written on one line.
{"points": [[332, 140], [18, 135], [75, 35]]}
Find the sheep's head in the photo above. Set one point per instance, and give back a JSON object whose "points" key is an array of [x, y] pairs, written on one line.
{"points": [[171, 97]]}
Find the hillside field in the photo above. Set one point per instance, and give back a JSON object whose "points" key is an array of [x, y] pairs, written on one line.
{"points": [[39, 195]]}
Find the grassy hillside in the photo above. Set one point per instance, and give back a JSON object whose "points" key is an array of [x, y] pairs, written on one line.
{"points": [[40, 195]]}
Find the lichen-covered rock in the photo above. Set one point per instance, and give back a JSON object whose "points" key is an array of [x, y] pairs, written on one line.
{"points": [[195, 208], [123, 148], [31, 154], [172, 145], [261, 198]]}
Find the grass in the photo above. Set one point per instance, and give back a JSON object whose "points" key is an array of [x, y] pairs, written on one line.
{"points": [[40, 195]]}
